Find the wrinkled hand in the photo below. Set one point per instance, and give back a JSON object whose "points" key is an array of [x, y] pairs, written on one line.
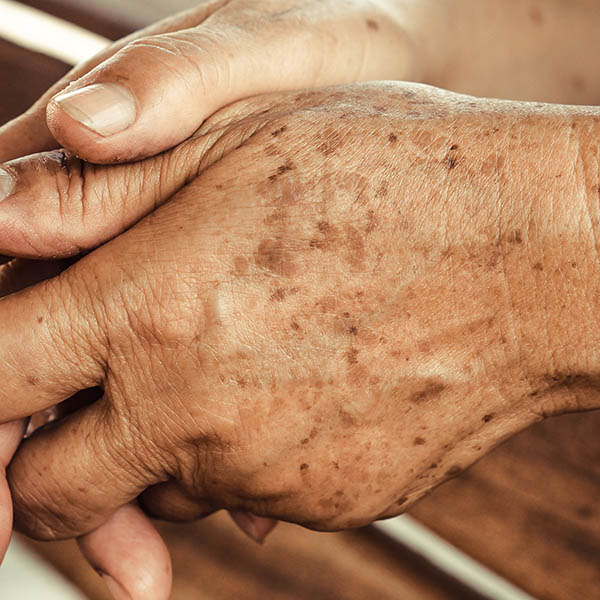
{"points": [[345, 305], [153, 89]]}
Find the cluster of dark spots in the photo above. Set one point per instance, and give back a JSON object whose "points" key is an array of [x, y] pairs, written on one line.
{"points": [[419, 441], [352, 356], [330, 141], [429, 392], [304, 466], [280, 294], [371, 221], [279, 131], [487, 418], [392, 138], [372, 25], [538, 266], [515, 237], [382, 190], [536, 16], [453, 471], [281, 170]]}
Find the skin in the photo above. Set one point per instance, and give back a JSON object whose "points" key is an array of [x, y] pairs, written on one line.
{"points": [[440, 42], [304, 347]]}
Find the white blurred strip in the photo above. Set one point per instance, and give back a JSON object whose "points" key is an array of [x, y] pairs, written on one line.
{"points": [[450, 560], [25, 576], [34, 29]]}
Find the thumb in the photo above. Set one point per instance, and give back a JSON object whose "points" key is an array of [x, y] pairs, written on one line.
{"points": [[156, 91]]}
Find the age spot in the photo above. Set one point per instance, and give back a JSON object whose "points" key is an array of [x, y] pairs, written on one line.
{"points": [[419, 441], [273, 256], [392, 138], [429, 392], [487, 418], [372, 25]]}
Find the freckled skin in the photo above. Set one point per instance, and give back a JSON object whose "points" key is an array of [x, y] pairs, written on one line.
{"points": [[373, 339]]}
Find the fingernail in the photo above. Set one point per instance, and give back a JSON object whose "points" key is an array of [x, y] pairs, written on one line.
{"points": [[7, 184], [106, 108], [115, 589], [256, 528]]}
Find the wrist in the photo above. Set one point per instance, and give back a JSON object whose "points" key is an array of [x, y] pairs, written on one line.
{"points": [[555, 290]]}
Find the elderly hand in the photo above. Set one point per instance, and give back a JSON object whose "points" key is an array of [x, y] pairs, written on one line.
{"points": [[292, 337], [152, 90]]}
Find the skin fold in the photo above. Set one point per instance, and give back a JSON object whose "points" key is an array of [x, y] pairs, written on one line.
{"points": [[289, 337], [512, 49]]}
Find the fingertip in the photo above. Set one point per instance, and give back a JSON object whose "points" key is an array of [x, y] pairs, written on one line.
{"points": [[130, 555]]}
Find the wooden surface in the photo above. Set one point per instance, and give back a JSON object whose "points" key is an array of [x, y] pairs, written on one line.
{"points": [[530, 510]]}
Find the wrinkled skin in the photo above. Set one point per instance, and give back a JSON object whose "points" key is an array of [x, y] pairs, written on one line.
{"points": [[289, 337]]}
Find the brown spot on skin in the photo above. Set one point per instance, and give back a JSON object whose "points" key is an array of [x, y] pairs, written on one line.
{"points": [[419, 441], [304, 441], [33, 380], [538, 266], [515, 237], [336, 465], [352, 356], [40, 319], [278, 295], [536, 16], [372, 25], [578, 83], [451, 161], [346, 418], [355, 245], [240, 265], [453, 471], [401, 501], [453, 147], [295, 326], [429, 392], [392, 138], [352, 330], [487, 418], [279, 131], [281, 170], [303, 466], [272, 255], [330, 141], [313, 433], [382, 190]]}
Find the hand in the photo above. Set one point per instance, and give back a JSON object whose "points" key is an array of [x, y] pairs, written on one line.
{"points": [[126, 549], [162, 82], [347, 305]]}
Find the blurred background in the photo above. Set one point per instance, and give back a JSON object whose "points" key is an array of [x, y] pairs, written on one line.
{"points": [[522, 523]]}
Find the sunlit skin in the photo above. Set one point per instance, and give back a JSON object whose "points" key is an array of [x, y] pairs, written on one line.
{"points": [[413, 269]]}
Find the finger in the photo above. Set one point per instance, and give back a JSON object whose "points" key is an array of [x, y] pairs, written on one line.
{"points": [[11, 435], [168, 501], [130, 556], [54, 205], [70, 478], [256, 528], [52, 344], [29, 133], [156, 91]]}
